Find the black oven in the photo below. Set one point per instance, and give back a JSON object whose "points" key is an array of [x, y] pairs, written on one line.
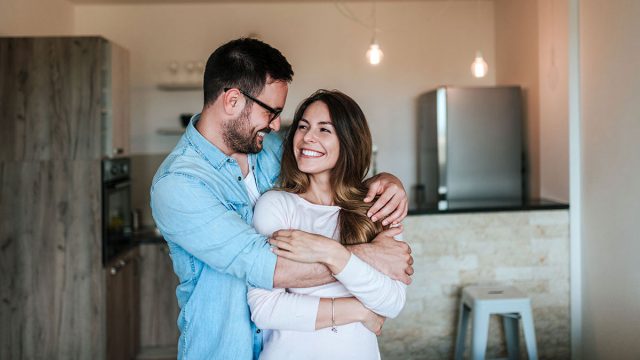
{"points": [[116, 208]]}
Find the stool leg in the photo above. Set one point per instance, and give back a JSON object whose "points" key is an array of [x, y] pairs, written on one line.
{"points": [[479, 334], [529, 334], [512, 333], [463, 321]]}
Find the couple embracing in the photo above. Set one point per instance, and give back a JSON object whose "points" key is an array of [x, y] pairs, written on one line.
{"points": [[283, 249]]}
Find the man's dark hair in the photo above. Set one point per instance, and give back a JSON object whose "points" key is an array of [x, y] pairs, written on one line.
{"points": [[245, 64]]}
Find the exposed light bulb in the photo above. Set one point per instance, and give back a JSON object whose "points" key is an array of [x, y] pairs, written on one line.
{"points": [[374, 54], [479, 67]]}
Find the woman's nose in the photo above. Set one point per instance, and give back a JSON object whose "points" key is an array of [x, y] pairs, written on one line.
{"points": [[310, 136]]}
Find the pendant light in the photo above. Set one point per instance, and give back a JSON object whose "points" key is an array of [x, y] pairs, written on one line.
{"points": [[479, 67], [374, 54]]}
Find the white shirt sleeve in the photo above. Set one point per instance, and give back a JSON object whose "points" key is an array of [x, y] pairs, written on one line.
{"points": [[375, 290], [277, 309]]}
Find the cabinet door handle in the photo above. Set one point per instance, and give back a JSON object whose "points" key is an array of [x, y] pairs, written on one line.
{"points": [[117, 267], [118, 151]]}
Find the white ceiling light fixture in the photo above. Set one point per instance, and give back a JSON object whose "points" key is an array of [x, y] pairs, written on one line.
{"points": [[479, 66], [374, 54]]}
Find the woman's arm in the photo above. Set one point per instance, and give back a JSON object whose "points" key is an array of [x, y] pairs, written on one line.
{"points": [[374, 289], [277, 309]]}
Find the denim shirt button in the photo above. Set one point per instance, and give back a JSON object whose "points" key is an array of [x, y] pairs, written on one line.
{"points": [[239, 178], [258, 331]]}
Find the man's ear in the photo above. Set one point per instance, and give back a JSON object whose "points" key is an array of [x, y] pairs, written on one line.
{"points": [[232, 102]]}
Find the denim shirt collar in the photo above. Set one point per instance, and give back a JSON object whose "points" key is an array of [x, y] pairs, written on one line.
{"points": [[203, 146]]}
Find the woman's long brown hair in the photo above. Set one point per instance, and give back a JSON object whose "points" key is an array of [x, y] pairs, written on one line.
{"points": [[347, 177]]}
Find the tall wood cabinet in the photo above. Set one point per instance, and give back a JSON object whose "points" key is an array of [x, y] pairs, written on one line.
{"points": [[63, 107]]}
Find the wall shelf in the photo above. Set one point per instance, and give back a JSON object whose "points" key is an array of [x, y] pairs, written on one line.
{"points": [[180, 86]]}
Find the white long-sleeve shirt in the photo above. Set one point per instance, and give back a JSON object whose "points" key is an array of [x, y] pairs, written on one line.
{"points": [[289, 315]]}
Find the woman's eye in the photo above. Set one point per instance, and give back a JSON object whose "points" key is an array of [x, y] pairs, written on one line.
{"points": [[325, 130], [301, 127]]}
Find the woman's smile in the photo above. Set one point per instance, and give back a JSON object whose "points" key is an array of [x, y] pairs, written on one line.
{"points": [[315, 140], [310, 153]]}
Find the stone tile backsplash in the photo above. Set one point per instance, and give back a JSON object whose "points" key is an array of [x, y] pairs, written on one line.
{"points": [[526, 249]]}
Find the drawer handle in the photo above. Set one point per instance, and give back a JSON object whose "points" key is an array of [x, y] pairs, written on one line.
{"points": [[117, 267]]}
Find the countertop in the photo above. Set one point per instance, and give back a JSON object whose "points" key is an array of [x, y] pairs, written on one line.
{"points": [[147, 235], [455, 207]]}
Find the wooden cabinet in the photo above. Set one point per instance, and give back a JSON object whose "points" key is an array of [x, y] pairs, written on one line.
{"points": [[50, 261], [63, 98], [123, 303], [63, 107], [158, 304], [115, 109]]}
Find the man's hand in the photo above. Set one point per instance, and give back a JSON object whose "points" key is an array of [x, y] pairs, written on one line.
{"points": [[387, 255], [392, 205]]}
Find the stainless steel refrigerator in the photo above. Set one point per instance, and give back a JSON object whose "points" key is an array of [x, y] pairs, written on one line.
{"points": [[470, 146]]}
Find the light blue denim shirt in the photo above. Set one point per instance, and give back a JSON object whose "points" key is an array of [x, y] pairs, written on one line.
{"points": [[201, 206]]}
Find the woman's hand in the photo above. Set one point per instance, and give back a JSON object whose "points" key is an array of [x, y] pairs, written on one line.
{"points": [[304, 247], [373, 322], [392, 205]]}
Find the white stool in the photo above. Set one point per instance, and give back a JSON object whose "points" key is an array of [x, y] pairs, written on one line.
{"points": [[506, 301]]}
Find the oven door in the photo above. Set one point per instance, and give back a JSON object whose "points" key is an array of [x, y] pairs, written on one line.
{"points": [[116, 218]]}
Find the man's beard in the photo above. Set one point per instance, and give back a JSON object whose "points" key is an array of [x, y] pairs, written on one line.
{"points": [[239, 136]]}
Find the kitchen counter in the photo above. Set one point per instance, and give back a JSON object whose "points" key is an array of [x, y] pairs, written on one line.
{"points": [[475, 206], [522, 245], [147, 235]]}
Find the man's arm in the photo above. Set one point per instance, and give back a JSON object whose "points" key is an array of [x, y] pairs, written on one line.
{"points": [[387, 255], [293, 274], [190, 215], [384, 253]]}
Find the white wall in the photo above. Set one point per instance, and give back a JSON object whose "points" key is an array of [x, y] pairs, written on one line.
{"points": [[36, 17], [531, 45], [610, 108], [516, 34], [553, 45], [425, 43]]}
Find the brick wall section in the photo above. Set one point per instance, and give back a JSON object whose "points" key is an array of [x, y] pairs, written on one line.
{"points": [[526, 249]]}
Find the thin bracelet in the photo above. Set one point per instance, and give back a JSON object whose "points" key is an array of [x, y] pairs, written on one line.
{"points": [[333, 316]]}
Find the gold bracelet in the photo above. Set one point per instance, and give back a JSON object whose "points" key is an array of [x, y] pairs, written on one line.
{"points": [[333, 316]]}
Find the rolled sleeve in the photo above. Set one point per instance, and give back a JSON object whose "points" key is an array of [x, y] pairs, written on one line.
{"points": [[189, 214]]}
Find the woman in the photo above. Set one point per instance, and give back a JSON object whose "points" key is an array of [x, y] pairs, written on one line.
{"points": [[326, 157]]}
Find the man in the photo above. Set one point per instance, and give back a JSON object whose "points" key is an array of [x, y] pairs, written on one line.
{"points": [[202, 201]]}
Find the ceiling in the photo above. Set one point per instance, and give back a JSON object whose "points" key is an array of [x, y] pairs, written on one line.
{"points": [[120, 2]]}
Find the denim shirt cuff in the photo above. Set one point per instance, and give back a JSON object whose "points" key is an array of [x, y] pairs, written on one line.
{"points": [[263, 269]]}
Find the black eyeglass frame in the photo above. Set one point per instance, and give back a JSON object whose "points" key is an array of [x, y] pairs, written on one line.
{"points": [[274, 112]]}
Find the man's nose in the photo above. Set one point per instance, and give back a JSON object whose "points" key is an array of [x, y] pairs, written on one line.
{"points": [[275, 124]]}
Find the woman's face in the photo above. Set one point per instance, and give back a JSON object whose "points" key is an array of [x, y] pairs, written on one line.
{"points": [[315, 142]]}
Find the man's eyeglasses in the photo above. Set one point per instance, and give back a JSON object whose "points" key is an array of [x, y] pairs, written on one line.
{"points": [[274, 112]]}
